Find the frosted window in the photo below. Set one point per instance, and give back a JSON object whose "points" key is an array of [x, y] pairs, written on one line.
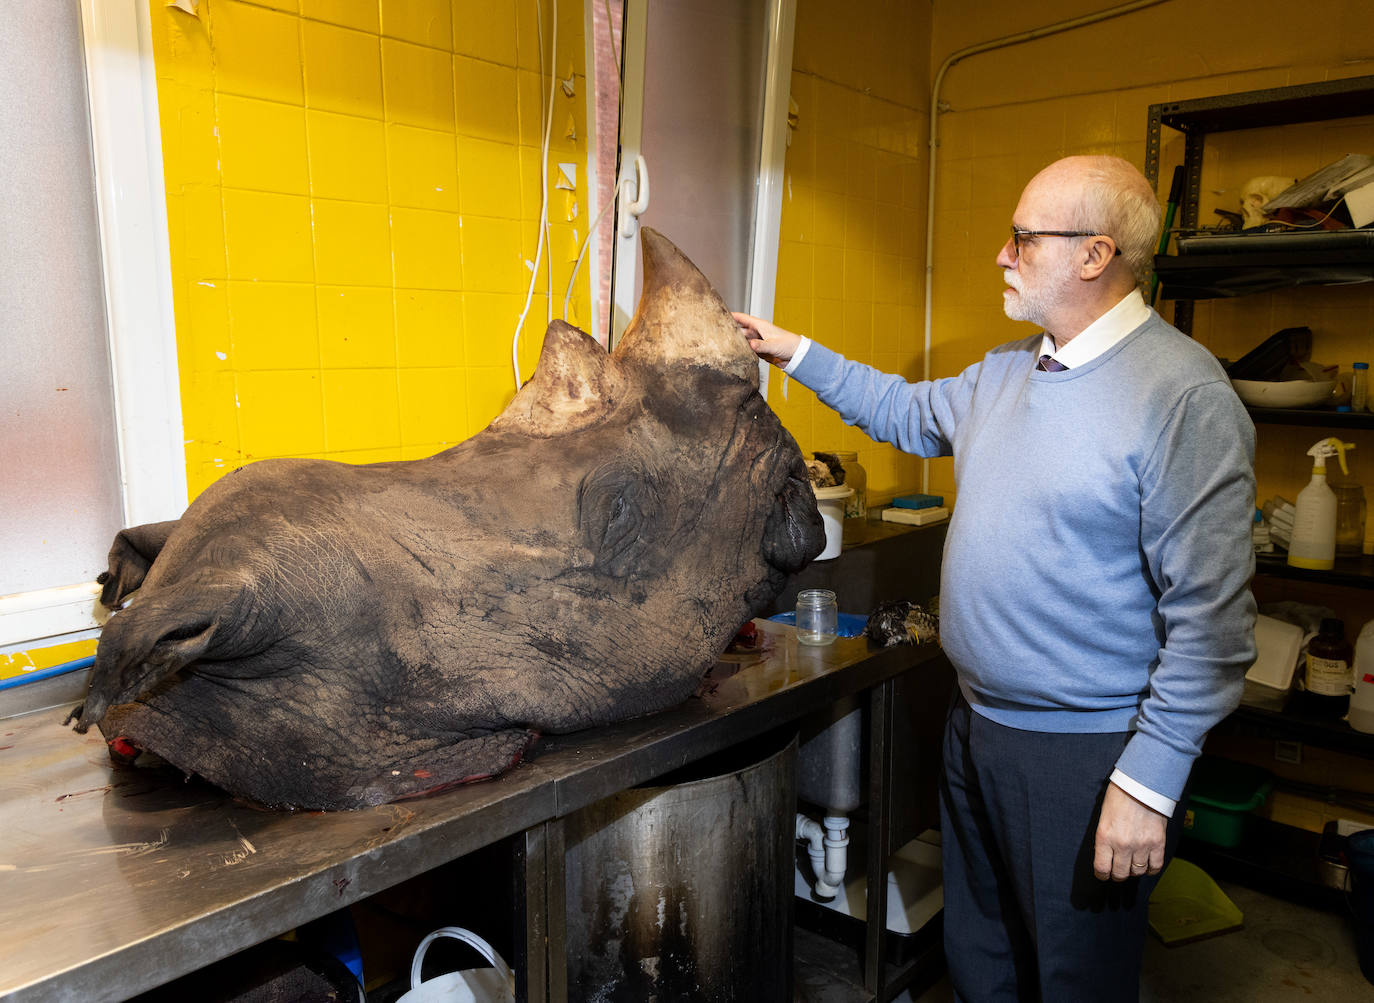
{"points": [[61, 501], [704, 65]]}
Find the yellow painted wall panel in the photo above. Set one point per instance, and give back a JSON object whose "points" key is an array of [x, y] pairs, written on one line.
{"points": [[433, 404], [359, 14], [198, 231], [489, 390], [356, 327], [281, 413], [361, 409], [262, 145], [347, 157], [485, 30], [424, 22], [272, 325], [257, 52], [488, 325], [423, 167], [492, 261], [425, 249], [268, 236], [486, 100], [429, 327], [417, 84], [352, 243], [343, 69], [489, 181], [190, 141]]}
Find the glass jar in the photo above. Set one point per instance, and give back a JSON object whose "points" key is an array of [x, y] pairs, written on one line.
{"points": [[1359, 389], [856, 477], [817, 616], [1350, 513]]}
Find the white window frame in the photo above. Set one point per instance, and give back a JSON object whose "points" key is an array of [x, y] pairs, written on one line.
{"points": [[136, 260]]}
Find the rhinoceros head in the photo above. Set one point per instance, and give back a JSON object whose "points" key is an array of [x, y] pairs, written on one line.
{"points": [[322, 635]]}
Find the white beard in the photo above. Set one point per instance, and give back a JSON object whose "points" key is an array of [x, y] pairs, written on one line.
{"points": [[1037, 303]]}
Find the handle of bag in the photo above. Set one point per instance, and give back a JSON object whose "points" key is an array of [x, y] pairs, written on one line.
{"points": [[467, 937]]}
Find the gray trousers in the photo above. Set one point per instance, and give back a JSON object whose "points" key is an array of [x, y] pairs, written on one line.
{"points": [[1025, 918]]}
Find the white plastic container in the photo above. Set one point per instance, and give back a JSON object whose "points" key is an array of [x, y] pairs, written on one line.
{"points": [[1362, 700], [1314, 527], [831, 502]]}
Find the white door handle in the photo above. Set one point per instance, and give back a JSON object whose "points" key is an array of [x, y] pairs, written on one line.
{"points": [[633, 210]]}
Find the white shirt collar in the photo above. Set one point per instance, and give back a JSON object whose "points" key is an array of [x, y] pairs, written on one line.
{"points": [[1101, 334]]}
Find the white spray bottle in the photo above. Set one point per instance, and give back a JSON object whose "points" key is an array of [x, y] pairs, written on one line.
{"points": [[1314, 524]]}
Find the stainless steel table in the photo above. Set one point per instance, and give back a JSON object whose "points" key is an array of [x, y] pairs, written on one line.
{"points": [[114, 882]]}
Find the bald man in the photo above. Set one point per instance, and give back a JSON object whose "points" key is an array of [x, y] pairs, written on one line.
{"points": [[1094, 595]]}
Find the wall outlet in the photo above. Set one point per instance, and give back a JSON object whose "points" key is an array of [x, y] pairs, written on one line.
{"points": [[1288, 752]]}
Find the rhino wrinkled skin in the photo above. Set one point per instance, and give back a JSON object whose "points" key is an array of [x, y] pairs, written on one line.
{"points": [[321, 635]]}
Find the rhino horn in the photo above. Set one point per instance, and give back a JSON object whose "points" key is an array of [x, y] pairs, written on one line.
{"points": [[573, 387], [681, 318]]}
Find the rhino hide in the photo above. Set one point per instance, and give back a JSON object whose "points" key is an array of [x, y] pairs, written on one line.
{"points": [[320, 635]]}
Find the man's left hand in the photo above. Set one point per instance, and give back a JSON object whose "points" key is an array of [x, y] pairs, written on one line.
{"points": [[1130, 838]]}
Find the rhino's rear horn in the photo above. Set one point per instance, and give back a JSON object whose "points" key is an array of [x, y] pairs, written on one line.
{"points": [[574, 386]]}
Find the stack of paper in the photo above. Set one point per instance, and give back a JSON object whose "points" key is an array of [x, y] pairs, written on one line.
{"points": [[1350, 179]]}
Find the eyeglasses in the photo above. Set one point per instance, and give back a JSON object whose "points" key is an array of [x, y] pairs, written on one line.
{"points": [[1018, 235]]}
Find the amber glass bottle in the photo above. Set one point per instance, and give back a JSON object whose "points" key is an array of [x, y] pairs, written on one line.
{"points": [[1326, 677]]}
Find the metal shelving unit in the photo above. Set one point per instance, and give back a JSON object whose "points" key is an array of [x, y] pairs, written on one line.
{"points": [[1198, 118]]}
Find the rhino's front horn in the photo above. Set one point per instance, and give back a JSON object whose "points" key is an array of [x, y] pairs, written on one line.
{"points": [[574, 386], [681, 318]]}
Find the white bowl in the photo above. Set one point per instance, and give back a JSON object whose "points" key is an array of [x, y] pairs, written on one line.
{"points": [[1289, 393]]}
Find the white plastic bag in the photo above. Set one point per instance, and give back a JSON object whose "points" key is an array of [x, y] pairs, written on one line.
{"points": [[474, 985]]}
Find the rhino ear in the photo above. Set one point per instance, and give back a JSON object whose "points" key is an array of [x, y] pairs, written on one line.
{"points": [[574, 386], [681, 318]]}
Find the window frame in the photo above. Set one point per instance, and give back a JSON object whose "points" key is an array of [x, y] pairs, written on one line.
{"points": [[131, 205]]}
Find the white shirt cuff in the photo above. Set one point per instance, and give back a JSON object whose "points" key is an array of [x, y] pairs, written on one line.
{"points": [[798, 355], [1165, 806]]}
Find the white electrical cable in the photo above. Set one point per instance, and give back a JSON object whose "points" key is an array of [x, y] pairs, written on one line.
{"points": [[543, 188], [582, 253]]}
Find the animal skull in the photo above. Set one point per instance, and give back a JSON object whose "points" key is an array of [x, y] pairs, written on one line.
{"points": [[1258, 192]]}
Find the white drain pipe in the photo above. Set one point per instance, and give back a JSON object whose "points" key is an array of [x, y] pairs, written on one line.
{"points": [[828, 847]]}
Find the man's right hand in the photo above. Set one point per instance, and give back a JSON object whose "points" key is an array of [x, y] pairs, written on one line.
{"points": [[769, 342]]}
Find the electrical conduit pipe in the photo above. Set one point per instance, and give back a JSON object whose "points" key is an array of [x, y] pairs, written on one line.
{"points": [[828, 847], [973, 50]]}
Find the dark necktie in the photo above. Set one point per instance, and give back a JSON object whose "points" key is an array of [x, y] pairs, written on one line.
{"points": [[1050, 365]]}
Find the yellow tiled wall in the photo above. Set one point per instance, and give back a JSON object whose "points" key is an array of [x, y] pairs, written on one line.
{"points": [[851, 242], [1088, 90], [353, 194]]}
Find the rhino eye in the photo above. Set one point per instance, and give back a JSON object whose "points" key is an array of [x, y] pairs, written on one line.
{"points": [[615, 507]]}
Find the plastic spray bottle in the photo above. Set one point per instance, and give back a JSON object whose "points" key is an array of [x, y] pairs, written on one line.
{"points": [[1314, 526]]}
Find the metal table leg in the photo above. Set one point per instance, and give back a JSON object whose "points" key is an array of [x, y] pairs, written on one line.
{"points": [[540, 960], [880, 703]]}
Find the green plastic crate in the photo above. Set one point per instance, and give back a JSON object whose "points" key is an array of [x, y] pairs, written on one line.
{"points": [[1223, 797]]}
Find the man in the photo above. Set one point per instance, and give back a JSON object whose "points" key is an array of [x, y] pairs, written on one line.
{"points": [[1094, 595]]}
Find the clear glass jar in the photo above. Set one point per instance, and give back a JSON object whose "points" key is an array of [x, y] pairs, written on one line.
{"points": [[817, 616], [856, 477]]}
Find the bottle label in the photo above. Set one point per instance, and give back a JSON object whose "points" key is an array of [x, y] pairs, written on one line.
{"points": [[1328, 677]]}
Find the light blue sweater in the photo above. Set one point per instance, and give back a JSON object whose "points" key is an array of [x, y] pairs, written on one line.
{"points": [[1096, 572]]}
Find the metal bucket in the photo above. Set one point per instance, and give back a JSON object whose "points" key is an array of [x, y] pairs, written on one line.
{"points": [[682, 890]]}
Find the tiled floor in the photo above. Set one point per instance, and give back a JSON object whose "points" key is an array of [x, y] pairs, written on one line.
{"points": [[1284, 952]]}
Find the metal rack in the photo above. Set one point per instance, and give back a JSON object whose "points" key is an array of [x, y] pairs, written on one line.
{"points": [[1198, 118]]}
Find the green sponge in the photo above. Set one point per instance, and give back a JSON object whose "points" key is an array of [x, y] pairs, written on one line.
{"points": [[918, 501]]}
